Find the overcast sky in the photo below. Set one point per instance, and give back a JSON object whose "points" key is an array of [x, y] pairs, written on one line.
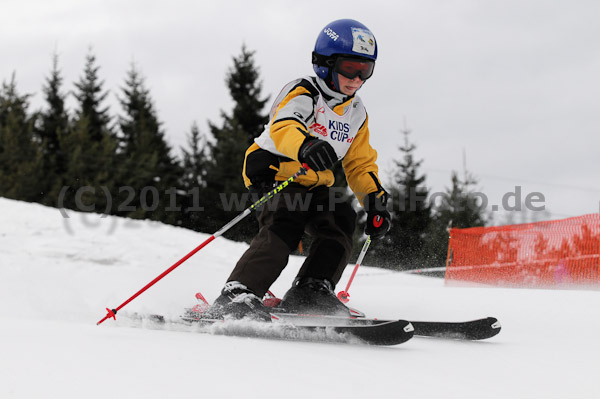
{"points": [[513, 84]]}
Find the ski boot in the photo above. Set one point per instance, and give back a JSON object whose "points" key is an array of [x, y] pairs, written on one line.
{"points": [[237, 302], [312, 296]]}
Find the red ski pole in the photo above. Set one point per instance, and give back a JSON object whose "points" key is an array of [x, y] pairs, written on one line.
{"points": [[112, 312], [344, 296]]}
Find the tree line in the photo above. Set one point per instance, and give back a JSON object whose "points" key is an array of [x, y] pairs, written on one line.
{"points": [[89, 159]]}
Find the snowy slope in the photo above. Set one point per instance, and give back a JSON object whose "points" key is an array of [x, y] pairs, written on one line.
{"points": [[58, 275]]}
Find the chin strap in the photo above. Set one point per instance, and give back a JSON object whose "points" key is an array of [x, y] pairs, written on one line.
{"points": [[335, 82]]}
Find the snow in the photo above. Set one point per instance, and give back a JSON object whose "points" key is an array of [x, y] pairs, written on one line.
{"points": [[58, 275]]}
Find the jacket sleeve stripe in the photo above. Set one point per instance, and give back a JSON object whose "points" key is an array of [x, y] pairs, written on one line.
{"points": [[289, 119], [380, 189]]}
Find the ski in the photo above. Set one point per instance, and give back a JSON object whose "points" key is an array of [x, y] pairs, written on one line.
{"points": [[469, 330], [473, 330], [351, 331]]}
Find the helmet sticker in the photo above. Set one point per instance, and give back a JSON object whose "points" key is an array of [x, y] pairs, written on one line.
{"points": [[364, 41]]}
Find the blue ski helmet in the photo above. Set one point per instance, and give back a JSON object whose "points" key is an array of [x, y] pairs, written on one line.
{"points": [[345, 37]]}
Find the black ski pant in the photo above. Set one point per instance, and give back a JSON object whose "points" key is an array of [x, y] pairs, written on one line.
{"points": [[282, 223]]}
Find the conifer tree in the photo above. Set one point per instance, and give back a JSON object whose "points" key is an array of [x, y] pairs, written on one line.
{"points": [[148, 169], [459, 207], [90, 96], [52, 123], [246, 90], [90, 144], [239, 129], [54, 119], [195, 159], [20, 156], [231, 140], [194, 179], [404, 245]]}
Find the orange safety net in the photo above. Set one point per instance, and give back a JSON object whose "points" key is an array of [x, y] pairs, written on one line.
{"points": [[557, 253]]}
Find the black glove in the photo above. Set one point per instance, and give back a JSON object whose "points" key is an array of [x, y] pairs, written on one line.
{"points": [[318, 154], [379, 220]]}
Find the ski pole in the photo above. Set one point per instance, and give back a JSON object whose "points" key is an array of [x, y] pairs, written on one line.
{"points": [[344, 296], [302, 171]]}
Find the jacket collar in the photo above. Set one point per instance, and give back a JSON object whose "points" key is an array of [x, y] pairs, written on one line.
{"points": [[332, 98]]}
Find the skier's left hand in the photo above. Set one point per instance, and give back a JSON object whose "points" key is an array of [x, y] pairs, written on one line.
{"points": [[379, 220]]}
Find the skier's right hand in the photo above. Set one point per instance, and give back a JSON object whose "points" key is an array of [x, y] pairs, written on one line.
{"points": [[318, 154], [379, 220]]}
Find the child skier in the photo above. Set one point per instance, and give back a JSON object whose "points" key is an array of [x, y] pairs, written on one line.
{"points": [[315, 121]]}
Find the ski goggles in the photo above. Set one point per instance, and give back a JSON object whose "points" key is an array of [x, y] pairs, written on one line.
{"points": [[352, 67]]}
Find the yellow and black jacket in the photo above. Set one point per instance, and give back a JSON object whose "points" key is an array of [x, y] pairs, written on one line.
{"points": [[307, 107]]}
